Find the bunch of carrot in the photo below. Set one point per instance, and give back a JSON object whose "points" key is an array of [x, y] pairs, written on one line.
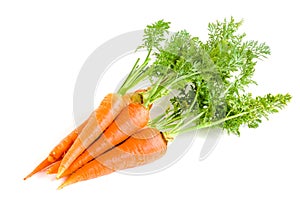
{"points": [[114, 137], [119, 133]]}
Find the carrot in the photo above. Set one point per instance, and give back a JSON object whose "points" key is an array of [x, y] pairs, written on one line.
{"points": [[100, 119], [131, 119], [53, 168], [145, 146], [65, 143], [57, 152], [44, 164]]}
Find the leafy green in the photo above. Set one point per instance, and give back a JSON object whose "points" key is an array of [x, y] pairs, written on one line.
{"points": [[207, 80], [153, 37], [155, 34], [234, 57], [216, 97], [249, 110]]}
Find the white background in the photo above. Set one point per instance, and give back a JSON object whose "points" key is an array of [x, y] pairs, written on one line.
{"points": [[42, 48]]}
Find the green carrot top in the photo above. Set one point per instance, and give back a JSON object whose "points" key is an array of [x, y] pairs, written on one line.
{"points": [[207, 80]]}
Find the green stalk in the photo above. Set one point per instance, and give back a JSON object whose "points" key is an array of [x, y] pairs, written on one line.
{"points": [[123, 89], [136, 75], [207, 125], [168, 83]]}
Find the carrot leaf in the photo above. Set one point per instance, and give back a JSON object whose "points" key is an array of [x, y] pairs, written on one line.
{"points": [[217, 96], [208, 80]]}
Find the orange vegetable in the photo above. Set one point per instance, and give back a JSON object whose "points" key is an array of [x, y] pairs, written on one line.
{"points": [[65, 144], [100, 119], [53, 168], [44, 164], [131, 119], [143, 147], [58, 151]]}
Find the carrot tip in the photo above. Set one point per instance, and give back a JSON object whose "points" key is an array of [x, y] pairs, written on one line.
{"points": [[66, 183], [28, 176], [60, 187], [60, 173]]}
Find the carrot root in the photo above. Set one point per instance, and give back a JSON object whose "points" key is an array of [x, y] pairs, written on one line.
{"points": [[131, 119], [141, 148], [101, 118], [44, 164], [96, 169], [59, 150], [53, 168]]}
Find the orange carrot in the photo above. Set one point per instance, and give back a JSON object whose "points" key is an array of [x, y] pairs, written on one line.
{"points": [[131, 119], [44, 164], [65, 144], [58, 150], [143, 147], [101, 118], [53, 168]]}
